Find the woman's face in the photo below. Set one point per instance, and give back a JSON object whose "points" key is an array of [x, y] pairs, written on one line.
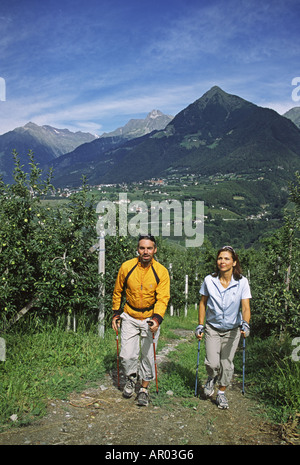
{"points": [[225, 261]]}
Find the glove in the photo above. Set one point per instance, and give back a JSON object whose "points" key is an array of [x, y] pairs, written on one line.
{"points": [[246, 328], [199, 330]]}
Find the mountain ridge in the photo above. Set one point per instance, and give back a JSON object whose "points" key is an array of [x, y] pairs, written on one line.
{"points": [[46, 142], [84, 158], [50, 144], [219, 132]]}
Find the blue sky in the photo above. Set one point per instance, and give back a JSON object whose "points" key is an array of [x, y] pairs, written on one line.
{"points": [[92, 65]]}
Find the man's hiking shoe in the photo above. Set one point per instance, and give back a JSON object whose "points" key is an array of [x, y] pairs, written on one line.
{"points": [[222, 401], [129, 387], [143, 397], [209, 386]]}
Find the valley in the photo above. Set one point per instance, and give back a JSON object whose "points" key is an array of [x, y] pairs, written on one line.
{"points": [[238, 209]]}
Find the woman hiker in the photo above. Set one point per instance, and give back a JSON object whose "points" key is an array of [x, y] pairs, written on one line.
{"points": [[222, 294]]}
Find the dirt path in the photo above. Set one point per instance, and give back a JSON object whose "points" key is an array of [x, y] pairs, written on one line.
{"points": [[102, 416]]}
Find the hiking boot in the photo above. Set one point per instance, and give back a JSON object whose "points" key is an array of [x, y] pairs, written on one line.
{"points": [[143, 397], [222, 401], [209, 386], [129, 387]]}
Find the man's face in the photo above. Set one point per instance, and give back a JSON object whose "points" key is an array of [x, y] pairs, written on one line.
{"points": [[146, 250]]}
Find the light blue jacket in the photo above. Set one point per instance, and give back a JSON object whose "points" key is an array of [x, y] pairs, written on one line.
{"points": [[223, 305]]}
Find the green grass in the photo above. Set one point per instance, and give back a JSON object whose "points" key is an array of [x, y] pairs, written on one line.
{"points": [[272, 376], [46, 365], [179, 374]]}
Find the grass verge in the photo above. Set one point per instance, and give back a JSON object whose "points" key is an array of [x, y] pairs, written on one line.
{"points": [[47, 365], [272, 376]]}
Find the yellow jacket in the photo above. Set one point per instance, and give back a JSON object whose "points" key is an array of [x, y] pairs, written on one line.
{"points": [[147, 290]]}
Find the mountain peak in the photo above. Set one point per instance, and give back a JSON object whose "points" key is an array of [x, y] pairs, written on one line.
{"points": [[214, 90], [157, 114], [219, 95], [211, 114], [30, 125], [154, 114], [155, 120]]}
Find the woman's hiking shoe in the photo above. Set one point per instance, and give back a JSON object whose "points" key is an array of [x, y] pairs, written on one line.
{"points": [[129, 387], [143, 397], [222, 401], [209, 386]]}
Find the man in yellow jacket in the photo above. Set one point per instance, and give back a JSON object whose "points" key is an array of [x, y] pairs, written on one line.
{"points": [[147, 285]]}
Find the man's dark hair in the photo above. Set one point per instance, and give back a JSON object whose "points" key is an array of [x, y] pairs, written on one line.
{"points": [[146, 236]]}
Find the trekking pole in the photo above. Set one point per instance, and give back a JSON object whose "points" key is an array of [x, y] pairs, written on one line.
{"points": [[154, 353], [244, 357], [196, 382], [155, 363], [118, 369], [117, 339]]}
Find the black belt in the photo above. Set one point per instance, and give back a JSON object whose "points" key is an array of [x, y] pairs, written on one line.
{"points": [[147, 309]]}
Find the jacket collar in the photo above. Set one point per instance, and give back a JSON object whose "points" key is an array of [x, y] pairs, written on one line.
{"points": [[139, 263], [221, 288]]}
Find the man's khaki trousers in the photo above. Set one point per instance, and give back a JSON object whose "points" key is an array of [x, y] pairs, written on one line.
{"points": [[137, 355]]}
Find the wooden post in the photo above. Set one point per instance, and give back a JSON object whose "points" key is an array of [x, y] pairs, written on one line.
{"points": [[101, 271], [2, 350], [196, 279], [171, 304], [186, 294]]}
